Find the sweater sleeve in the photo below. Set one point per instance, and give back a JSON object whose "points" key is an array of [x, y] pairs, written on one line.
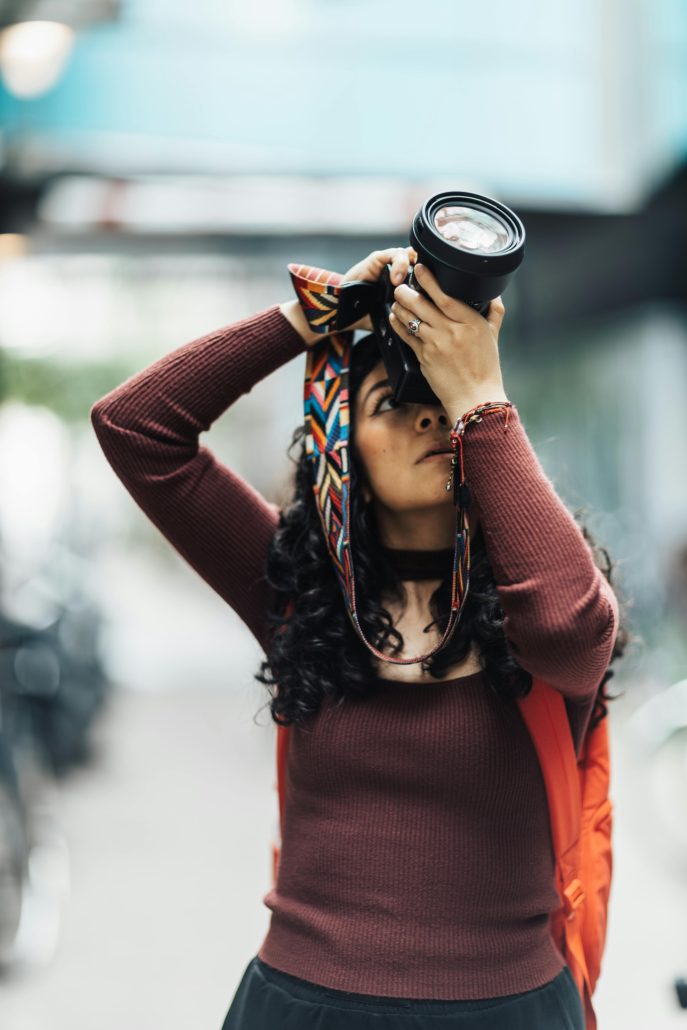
{"points": [[148, 428], [561, 614]]}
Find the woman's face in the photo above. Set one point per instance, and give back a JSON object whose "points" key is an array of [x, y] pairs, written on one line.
{"points": [[391, 441]]}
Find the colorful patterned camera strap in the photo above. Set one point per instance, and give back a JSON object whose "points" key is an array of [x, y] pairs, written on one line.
{"points": [[326, 411]]}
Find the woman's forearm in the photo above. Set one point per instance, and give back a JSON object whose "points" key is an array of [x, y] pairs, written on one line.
{"points": [[561, 613], [148, 428]]}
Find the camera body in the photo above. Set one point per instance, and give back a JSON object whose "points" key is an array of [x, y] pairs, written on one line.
{"points": [[472, 244]]}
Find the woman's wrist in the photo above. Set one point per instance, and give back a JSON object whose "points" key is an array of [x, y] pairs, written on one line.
{"points": [[456, 410], [293, 312]]}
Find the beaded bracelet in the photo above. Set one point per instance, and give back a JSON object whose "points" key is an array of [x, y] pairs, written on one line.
{"points": [[461, 493]]}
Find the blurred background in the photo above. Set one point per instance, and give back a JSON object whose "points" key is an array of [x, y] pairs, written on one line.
{"points": [[160, 164]]}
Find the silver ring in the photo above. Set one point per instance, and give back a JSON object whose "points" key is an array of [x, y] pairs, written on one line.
{"points": [[414, 326]]}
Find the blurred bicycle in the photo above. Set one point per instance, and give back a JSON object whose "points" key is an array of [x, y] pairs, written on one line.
{"points": [[52, 685]]}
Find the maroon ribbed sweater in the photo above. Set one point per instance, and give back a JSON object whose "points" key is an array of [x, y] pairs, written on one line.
{"points": [[417, 857]]}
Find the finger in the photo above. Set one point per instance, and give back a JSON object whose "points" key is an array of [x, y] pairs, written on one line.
{"points": [[400, 265], [371, 268], [400, 259], [414, 340], [417, 305], [404, 316], [456, 310], [496, 312], [384, 257]]}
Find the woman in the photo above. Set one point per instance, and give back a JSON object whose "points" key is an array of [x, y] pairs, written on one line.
{"points": [[416, 874]]}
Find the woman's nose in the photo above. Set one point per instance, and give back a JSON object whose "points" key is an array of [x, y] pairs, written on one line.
{"points": [[432, 413]]}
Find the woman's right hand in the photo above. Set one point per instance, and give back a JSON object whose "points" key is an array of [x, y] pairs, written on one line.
{"points": [[367, 270], [371, 268]]}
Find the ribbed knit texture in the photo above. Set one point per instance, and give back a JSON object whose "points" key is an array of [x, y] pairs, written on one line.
{"points": [[417, 857]]}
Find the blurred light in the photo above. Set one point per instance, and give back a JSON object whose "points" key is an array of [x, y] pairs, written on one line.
{"points": [[34, 453], [33, 55], [46, 329], [13, 245]]}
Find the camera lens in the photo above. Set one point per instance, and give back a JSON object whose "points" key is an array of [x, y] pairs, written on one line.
{"points": [[471, 243], [471, 230]]}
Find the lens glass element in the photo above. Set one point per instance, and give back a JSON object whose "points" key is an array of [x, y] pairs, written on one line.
{"points": [[471, 229]]}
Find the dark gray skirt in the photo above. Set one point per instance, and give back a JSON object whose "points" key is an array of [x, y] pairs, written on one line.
{"points": [[269, 999]]}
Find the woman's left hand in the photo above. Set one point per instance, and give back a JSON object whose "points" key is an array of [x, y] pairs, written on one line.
{"points": [[457, 348]]}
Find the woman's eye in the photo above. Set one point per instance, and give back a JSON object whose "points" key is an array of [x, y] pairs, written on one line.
{"points": [[388, 397]]}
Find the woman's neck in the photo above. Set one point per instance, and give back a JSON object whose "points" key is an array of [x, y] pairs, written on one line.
{"points": [[419, 563]]}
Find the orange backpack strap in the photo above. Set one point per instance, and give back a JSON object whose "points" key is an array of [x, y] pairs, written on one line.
{"points": [[546, 717], [282, 748], [597, 843]]}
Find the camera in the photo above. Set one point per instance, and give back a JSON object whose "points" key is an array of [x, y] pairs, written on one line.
{"points": [[472, 244]]}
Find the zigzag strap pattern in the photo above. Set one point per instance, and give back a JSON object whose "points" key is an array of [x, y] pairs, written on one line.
{"points": [[317, 292], [326, 413]]}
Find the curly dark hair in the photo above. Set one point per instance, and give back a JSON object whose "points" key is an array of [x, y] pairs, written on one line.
{"points": [[315, 651]]}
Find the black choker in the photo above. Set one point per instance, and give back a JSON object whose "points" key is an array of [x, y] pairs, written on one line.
{"points": [[414, 564]]}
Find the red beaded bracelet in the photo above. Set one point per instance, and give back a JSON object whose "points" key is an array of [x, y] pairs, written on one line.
{"points": [[461, 494]]}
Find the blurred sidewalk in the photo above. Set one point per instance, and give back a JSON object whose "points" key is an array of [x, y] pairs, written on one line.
{"points": [[168, 836]]}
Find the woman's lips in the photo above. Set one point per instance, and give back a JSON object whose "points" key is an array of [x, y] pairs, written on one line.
{"points": [[432, 457]]}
